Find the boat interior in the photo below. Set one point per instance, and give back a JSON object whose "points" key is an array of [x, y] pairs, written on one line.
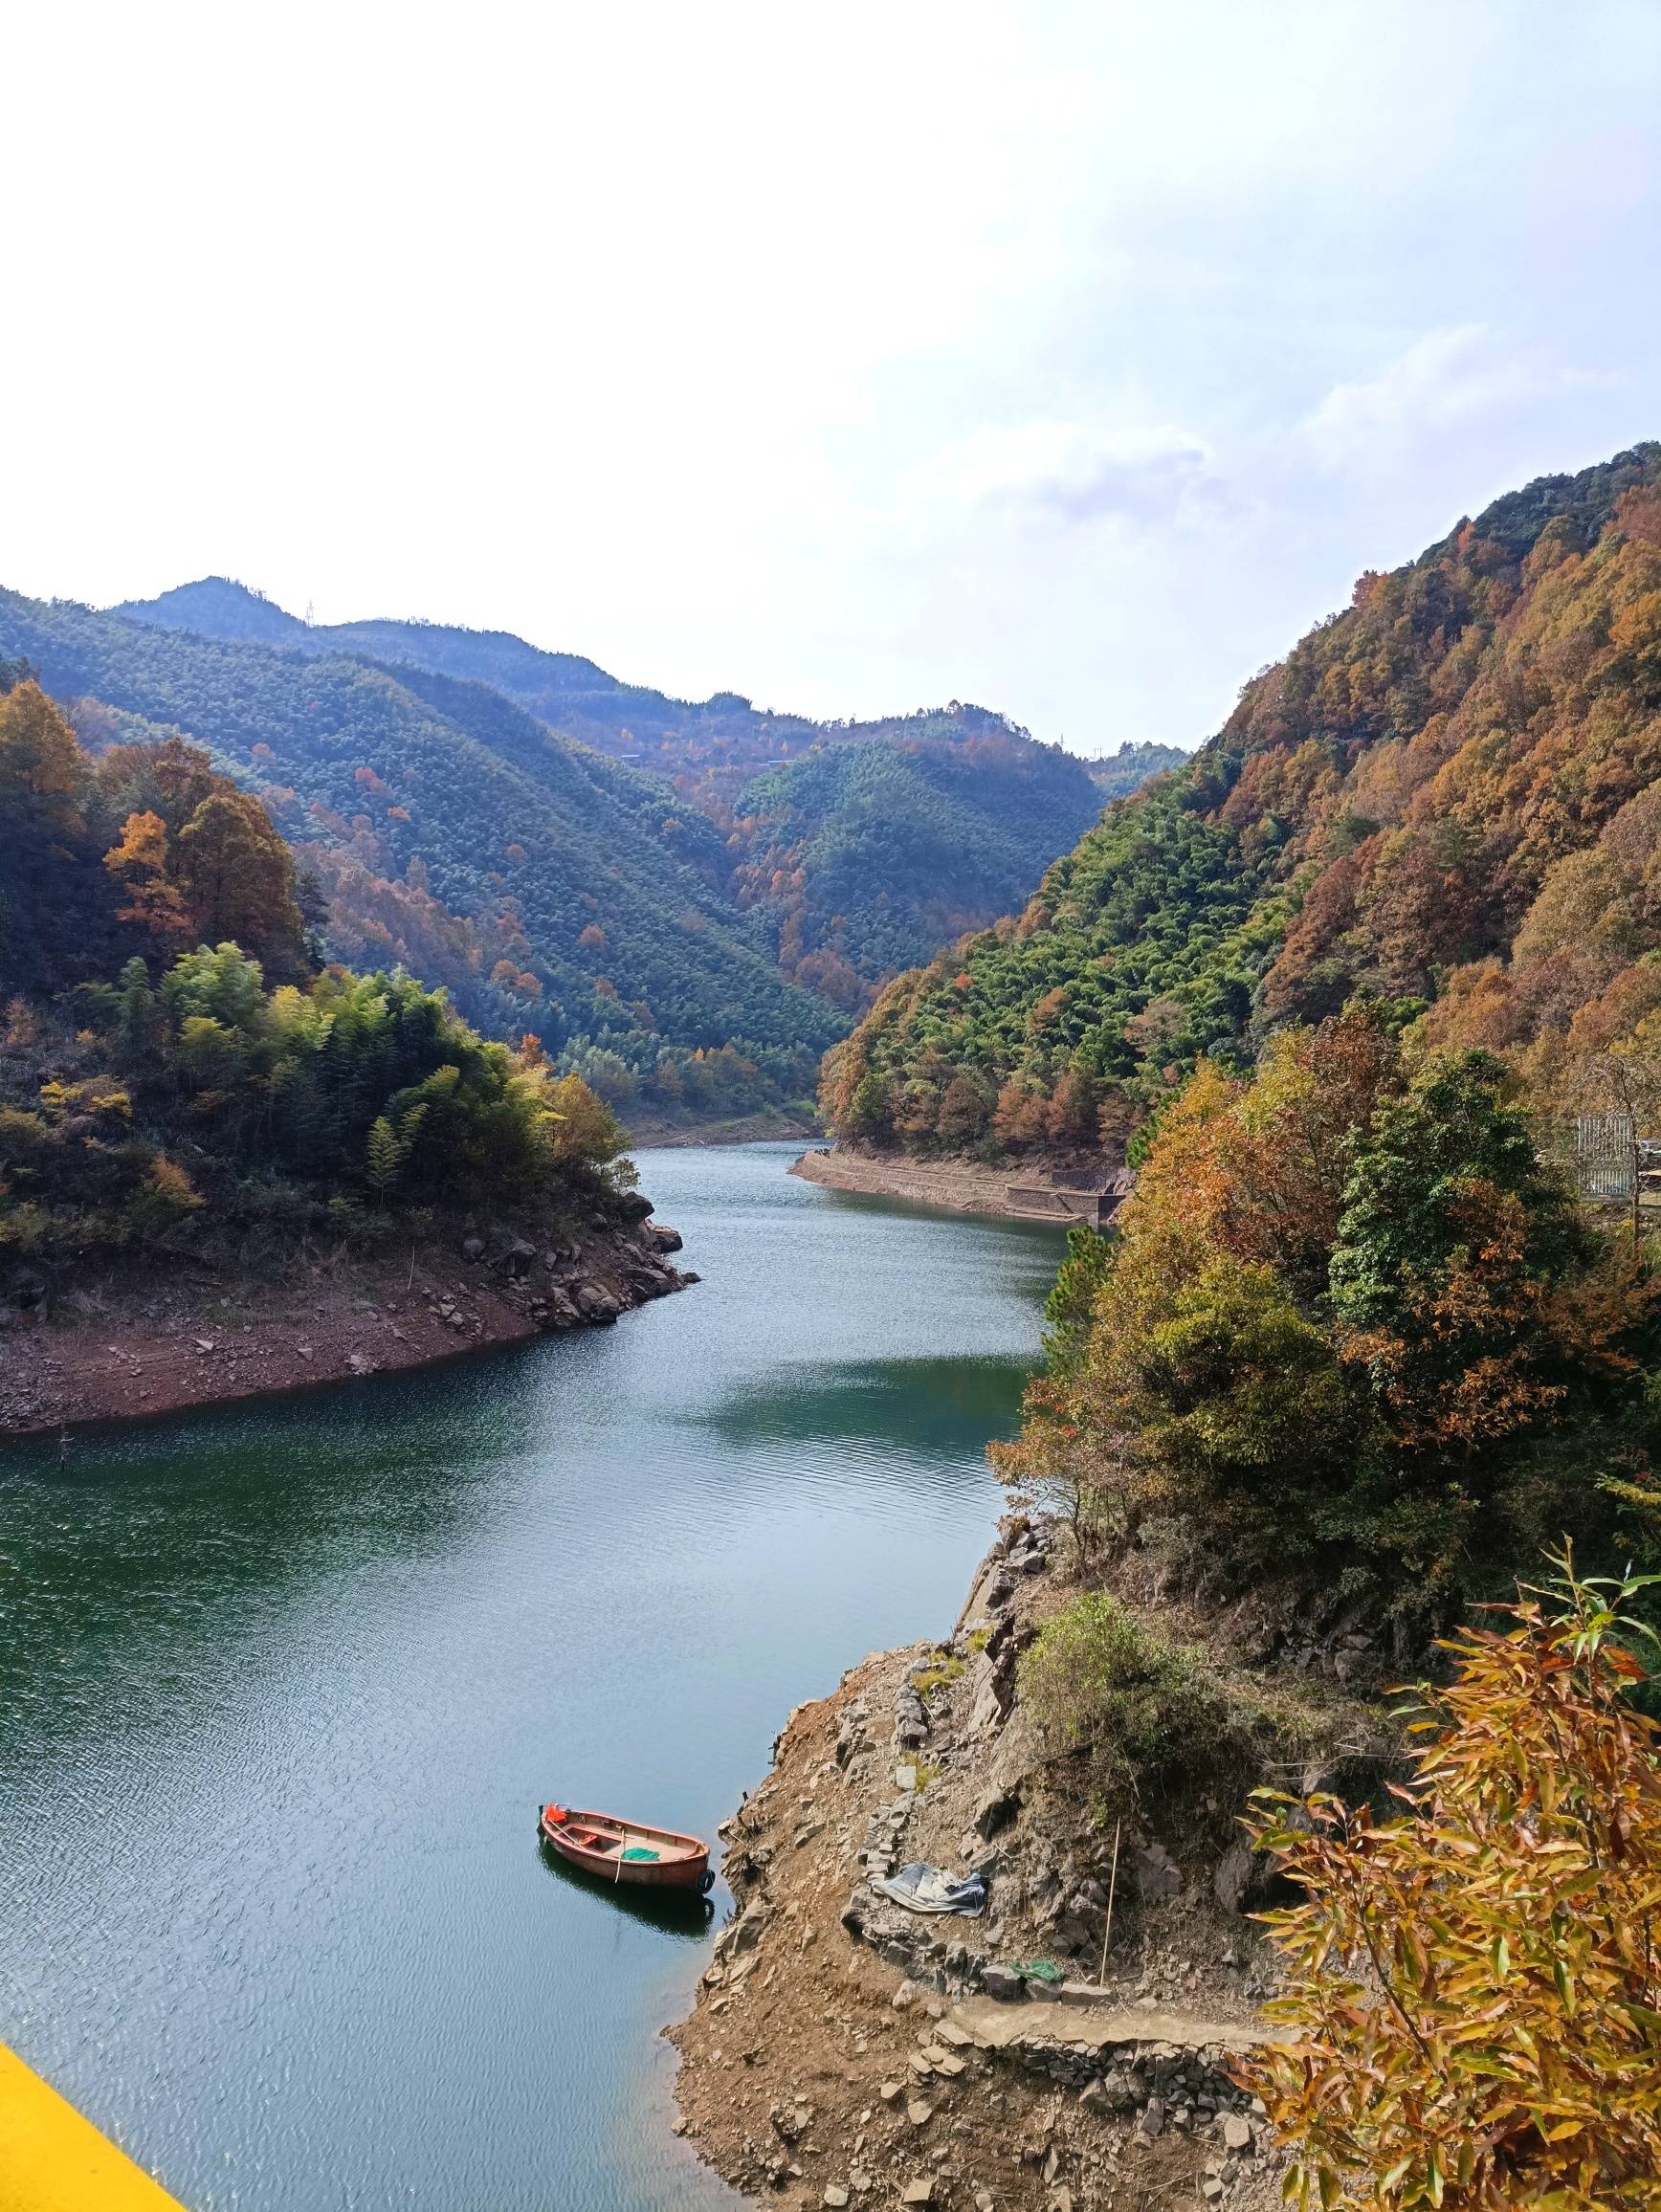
{"points": [[591, 1834]]}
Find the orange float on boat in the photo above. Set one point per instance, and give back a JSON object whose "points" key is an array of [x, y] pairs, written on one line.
{"points": [[633, 1852]]}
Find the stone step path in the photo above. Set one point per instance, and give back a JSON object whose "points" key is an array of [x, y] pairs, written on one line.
{"points": [[1103, 2025]]}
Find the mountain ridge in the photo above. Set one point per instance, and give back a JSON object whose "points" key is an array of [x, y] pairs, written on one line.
{"points": [[1445, 795]]}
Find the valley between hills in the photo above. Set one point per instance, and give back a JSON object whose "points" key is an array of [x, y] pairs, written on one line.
{"points": [[334, 971]]}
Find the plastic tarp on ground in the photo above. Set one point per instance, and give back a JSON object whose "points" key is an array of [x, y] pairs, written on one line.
{"points": [[924, 1888]]}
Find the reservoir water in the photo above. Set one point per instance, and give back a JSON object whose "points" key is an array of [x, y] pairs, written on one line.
{"points": [[281, 1686]]}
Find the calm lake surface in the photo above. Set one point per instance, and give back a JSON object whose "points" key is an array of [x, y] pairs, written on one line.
{"points": [[281, 1688]]}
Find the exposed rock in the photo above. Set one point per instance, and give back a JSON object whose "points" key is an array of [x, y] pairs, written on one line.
{"points": [[473, 1250], [995, 1811], [1231, 1876], [1002, 1982], [745, 1933], [1156, 1874], [595, 1304], [665, 1238]]}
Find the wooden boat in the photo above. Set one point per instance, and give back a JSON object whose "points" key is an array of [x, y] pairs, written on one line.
{"points": [[615, 1851]]}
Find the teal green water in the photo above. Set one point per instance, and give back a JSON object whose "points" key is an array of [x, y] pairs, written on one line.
{"points": [[281, 1686]]}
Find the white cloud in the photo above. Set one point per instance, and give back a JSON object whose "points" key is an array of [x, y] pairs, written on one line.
{"points": [[1060, 470], [1443, 381], [846, 360]]}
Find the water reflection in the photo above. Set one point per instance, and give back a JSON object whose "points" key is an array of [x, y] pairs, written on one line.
{"points": [[940, 1405], [681, 1913]]}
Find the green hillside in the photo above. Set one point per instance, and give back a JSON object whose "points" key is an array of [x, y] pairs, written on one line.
{"points": [[1117, 775], [883, 840], [177, 1078], [866, 859], [1448, 796], [437, 809]]}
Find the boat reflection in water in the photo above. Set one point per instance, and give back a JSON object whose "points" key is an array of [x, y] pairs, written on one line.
{"points": [[683, 1912]]}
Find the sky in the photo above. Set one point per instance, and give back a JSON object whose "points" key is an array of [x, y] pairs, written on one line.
{"points": [[1070, 359]]}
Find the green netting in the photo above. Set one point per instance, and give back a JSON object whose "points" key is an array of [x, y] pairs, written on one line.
{"points": [[639, 1851]]}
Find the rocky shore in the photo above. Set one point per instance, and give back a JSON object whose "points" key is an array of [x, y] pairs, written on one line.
{"points": [[1052, 2054], [114, 1347]]}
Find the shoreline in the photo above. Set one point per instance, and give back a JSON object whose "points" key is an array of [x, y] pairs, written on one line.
{"points": [[950, 1185], [841, 2050], [134, 1352]]}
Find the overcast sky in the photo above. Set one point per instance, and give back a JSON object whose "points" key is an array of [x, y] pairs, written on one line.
{"points": [[1072, 359]]}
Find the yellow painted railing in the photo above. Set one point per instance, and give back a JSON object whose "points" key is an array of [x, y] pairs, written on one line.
{"points": [[52, 2160]]}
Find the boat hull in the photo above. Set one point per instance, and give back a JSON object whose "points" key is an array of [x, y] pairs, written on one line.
{"points": [[594, 1843]]}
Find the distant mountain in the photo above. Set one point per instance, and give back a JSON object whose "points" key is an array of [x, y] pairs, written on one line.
{"points": [[860, 846], [641, 879], [563, 689], [1117, 775], [867, 859], [555, 890], [1447, 796], [216, 607]]}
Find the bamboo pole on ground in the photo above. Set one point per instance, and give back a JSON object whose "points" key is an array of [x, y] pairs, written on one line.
{"points": [[1112, 1887]]}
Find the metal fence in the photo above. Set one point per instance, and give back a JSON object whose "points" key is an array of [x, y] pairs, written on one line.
{"points": [[1606, 1155]]}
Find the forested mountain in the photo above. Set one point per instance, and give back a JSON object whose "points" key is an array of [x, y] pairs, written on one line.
{"points": [[554, 890], [863, 846], [177, 1074], [635, 918], [1117, 775], [1448, 796], [865, 859], [723, 741]]}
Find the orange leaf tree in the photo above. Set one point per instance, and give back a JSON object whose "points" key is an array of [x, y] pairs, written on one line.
{"points": [[1474, 1987]]}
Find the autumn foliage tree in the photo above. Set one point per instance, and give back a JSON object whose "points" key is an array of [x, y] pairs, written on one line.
{"points": [[1350, 1309], [1473, 2018]]}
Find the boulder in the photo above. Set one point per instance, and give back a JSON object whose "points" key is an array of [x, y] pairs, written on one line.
{"points": [[595, 1304], [665, 1238], [518, 1258], [634, 1205], [995, 1810], [745, 1933], [1002, 1982], [473, 1250]]}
